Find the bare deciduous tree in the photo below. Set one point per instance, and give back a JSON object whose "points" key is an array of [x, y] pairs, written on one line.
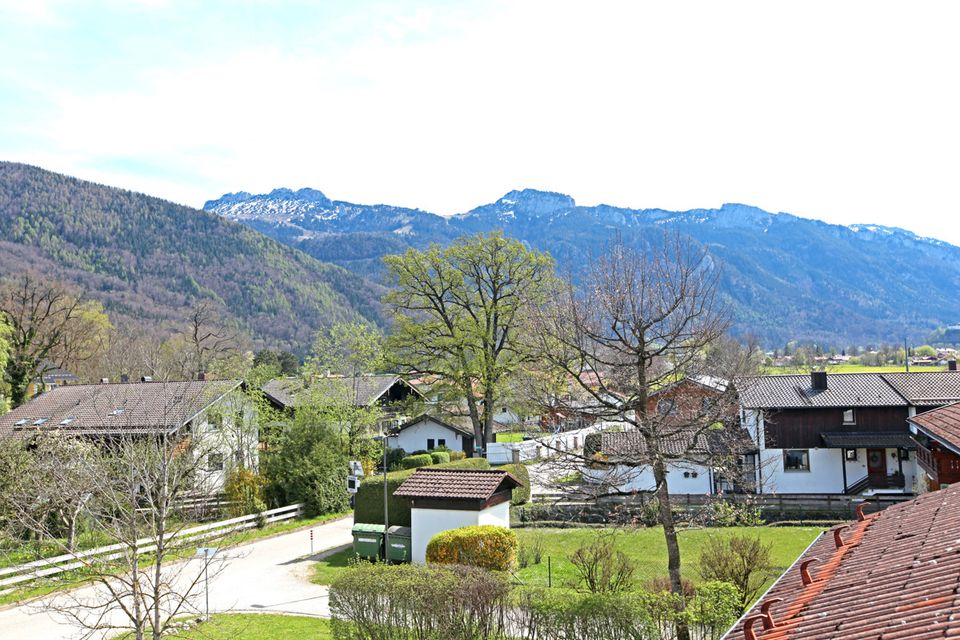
{"points": [[51, 327], [644, 320], [139, 478]]}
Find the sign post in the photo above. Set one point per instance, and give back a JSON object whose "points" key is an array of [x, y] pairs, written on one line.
{"points": [[207, 553]]}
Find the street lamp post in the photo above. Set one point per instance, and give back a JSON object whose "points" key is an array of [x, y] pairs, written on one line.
{"points": [[386, 511]]}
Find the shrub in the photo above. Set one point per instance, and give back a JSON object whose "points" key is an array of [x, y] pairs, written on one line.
{"points": [[307, 464], [245, 491], [368, 504], [439, 457], [484, 546], [603, 568], [591, 444], [394, 456], [409, 602], [726, 514], [414, 461], [742, 561], [457, 455], [531, 550], [661, 584], [521, 495], [716, 606]]}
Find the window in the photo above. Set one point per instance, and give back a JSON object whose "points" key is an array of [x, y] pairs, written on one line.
{"points": [[441, 442], [667, 407], [850, 455], [215, 462], [431, 443], [215, 421], [849, 417], [796, 460], [904, 454]]}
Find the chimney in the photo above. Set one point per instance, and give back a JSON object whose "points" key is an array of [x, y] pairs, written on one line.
{"points": [[124, 378], [951, 365], [818, 380], [146, 379], [201, 376], [104, 380]]}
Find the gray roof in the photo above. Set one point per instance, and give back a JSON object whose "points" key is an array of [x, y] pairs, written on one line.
{"points": [[631, 445], [291, 392], [452, 426], [868, 439], [918, 388], [84, 409]]}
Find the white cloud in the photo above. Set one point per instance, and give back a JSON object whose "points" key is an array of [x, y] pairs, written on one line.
{"points": [[844, 111]]}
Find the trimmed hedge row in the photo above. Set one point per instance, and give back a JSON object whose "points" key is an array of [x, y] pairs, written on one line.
{"points": [[415, 461], [368, 505], [521, 495], [484, 546]]}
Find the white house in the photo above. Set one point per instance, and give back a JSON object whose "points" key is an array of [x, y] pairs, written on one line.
{"points": [[839, 433], [444, 499], [425, 432], [694, 453], [213, 416]]}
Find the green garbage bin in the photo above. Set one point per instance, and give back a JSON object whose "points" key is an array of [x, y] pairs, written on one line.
{"points": [[368, 540], [399, 550]]}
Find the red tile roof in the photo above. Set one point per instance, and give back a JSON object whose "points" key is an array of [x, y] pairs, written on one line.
{"points": [[455, 484], [942, 424], [896, 577]]}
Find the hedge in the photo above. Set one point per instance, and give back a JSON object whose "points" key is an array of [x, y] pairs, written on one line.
{"points": [[368, 505], [440, 457], [457, 455], [412, 462], [484, 546], [521, 495]]}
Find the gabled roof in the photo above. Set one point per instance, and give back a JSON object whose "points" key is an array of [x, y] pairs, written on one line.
{"points": [[443, 423], [456, 484], [630, 446], [941, 424], [917, 388], [713, 383], [84, 409], [897, 575], [291, 392]]}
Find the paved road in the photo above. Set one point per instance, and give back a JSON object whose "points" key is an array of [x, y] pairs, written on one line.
{"points": [[267, 575]]}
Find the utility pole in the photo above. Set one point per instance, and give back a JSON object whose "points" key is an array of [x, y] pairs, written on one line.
{"points": [[386, 512]]}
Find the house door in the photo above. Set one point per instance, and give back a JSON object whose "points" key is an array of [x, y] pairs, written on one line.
{"points": [[877, 463]]}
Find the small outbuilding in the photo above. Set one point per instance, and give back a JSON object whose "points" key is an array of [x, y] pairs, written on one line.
{"points": [[444, 499], [428, 432]]}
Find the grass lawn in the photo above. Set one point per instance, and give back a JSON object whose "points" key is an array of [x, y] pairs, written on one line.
{"points": [[256, 626], [326, 571], [75, 578], [648, 549], [645, 546], [509, 437]]}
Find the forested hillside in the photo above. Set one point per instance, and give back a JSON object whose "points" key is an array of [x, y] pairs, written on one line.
{"points": [[150, 261]]}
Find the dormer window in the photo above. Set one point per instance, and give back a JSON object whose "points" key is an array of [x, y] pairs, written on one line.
{"points": [[849, 417]]}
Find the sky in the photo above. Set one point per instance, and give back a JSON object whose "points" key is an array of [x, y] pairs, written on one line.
{"points": [[847, 112]]}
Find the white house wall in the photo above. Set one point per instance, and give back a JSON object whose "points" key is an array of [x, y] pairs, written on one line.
{"points": [[628, 479], [826, 471], [414, 438], [426, 523]]}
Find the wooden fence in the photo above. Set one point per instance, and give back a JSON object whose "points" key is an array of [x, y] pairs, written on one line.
{"points": [[46, 567]]}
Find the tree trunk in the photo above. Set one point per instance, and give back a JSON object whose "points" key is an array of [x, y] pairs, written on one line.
{"points": [[670, 535]]}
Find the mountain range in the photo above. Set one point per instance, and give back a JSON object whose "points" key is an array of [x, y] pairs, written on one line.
{"points": [[784, 277], [150, 262]]}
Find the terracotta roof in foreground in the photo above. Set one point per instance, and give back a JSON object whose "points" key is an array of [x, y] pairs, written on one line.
{"points": [[455, 484], [896, 576]]}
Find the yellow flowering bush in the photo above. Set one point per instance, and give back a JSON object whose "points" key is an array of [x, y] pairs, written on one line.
{"points": [[485, 546]]}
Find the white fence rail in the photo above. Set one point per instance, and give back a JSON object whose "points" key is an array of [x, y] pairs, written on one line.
{"points": [[544, 447], [46, 567]]}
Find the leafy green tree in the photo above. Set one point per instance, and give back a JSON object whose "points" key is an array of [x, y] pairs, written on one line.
{"points": [[306, 462], [925, 351], [460, 316], [5, 331]]}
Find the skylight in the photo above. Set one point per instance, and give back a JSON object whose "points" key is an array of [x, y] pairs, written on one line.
{"points": [[67, 420], [20, 423], [39, 421], [116, 412]]}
